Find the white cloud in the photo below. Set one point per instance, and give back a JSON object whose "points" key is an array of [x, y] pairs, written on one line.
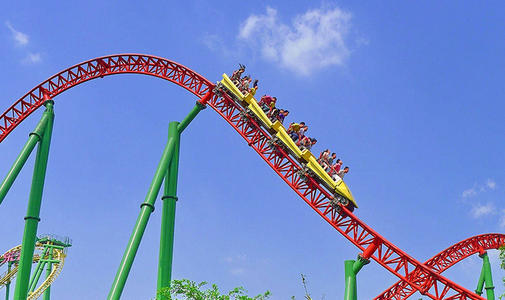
{"points": [[469, 193], [491, 184], [213, 42], [502, 219], [314, 40], [237, 271], [32, 58], [479, 188], [235, 258], [20, 38], [482, 210], [362, 41], [236, 263]]}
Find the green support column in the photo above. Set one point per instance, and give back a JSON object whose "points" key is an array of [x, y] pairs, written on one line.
{"points": [[486, 278], [35, 137], [170, 200], [138, 231], [38, 271], [36, 276], [32, 216], [147, 208], [480, 284], [168, 214], [8, 285], [351, 270], [47, 292]]}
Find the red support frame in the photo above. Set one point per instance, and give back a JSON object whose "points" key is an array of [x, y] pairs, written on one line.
{"points": [[417, 275], [446, 259]]}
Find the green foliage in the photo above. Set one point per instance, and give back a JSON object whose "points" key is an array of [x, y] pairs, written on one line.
{"points": [[187, 289], [502, 265]]}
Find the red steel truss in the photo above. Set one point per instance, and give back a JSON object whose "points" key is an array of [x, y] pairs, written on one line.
{"points": [[418, 276], [446, 259]]}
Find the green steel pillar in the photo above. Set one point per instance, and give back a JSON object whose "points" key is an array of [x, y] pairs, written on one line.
{"points": [[47, 292], [148, 207], [350, 281], [351, 270], [8, 285], [170, 199], [480, 284], [38, 271], [32, 216], [168, 214], [35, 137], [486, 278]]}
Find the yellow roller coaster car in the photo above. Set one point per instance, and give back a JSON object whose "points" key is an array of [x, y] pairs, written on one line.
{"points": [[247, 101], [308, 160]]}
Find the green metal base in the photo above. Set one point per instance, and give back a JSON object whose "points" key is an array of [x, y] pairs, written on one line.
{"points": [[352, 267]]}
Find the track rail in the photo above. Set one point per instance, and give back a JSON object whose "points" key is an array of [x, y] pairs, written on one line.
{"points": [[56, 270], [446, 259], [373, 245]]}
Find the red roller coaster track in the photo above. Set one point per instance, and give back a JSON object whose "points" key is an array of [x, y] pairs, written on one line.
{"points": [[446, 259], [418, 276]]}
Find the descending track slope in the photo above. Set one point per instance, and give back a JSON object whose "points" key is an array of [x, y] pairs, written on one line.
{"points": [[373, 245], [446, 259]]}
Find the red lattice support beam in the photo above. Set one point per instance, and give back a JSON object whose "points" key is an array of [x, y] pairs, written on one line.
{"points": [[446, 259]]}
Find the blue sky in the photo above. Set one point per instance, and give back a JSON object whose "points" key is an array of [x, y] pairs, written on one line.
{"points": [[409, 95]]}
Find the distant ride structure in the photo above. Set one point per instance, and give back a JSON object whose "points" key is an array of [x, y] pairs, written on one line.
{"points": [[50, 253], [331, 199]]}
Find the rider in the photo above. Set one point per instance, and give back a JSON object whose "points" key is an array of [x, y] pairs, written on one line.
{"points": [[283, 113], [307, 143], [297, 133], [267, 103], [341, 173], [255, 84], [237, 74], [323, 158], [337, 165], [331, 158], [244, 84]]}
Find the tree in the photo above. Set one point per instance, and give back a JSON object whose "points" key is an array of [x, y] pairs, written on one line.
{"points": [[502, 265], [307, 295], [187, 289]]}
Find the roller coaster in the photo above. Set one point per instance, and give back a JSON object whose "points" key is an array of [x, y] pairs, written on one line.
{"points": [[50, 253], [331, 200]]}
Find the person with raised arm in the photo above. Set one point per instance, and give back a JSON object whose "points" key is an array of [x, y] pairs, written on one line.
{"points": [[237, 74]]}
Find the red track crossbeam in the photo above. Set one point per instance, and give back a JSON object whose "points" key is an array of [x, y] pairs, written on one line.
{"points": [[417, 275], [446, 259]]}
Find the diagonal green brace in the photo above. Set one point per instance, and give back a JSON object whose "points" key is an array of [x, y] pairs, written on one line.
{"points": [[147, 207], [47, 292], [486, 278], [34, 138]]}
